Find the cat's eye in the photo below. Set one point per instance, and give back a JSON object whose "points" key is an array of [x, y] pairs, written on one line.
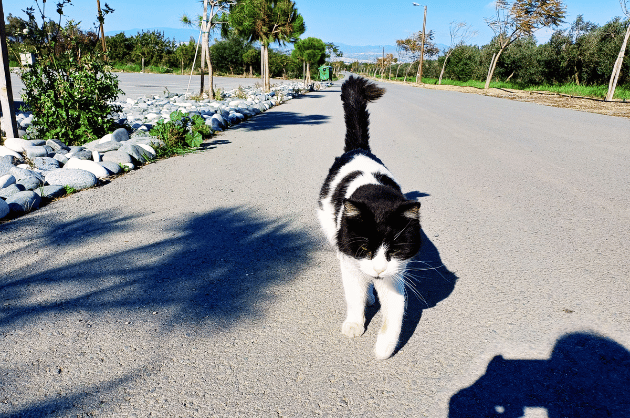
{"points": [[365, 250]]}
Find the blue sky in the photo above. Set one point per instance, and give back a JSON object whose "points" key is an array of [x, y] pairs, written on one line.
{"points": [[366, 22]]}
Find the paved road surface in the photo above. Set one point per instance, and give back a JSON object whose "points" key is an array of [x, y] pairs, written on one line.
{"points": [[201, 285], [135, 85]]}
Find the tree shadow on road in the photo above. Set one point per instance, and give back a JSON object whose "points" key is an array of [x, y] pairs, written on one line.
{"points": [[272, 120], [215, 264], [212, 271], [586, 376]]}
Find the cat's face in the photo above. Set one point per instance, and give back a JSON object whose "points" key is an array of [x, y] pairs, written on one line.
{"points": [[382, 236]]}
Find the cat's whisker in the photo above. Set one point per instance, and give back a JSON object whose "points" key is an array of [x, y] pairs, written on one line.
{"points": [[408, 283], [402, 230]]}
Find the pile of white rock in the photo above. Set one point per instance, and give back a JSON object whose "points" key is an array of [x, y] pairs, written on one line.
{"points": [[32, 169]]}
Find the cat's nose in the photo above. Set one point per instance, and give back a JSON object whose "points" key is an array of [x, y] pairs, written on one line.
{"points": [[379, 268]]}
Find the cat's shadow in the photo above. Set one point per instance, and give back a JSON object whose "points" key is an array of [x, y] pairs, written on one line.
{"points": [[431, 281]]}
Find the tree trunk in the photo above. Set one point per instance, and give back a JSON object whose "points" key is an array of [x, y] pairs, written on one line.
{"points": [[614, 77], [406, 72], [100, 17], [142, 64], [308, 74], [397, 68], [9, 123], [203, 64], [448, 54], [493, 65], [210, 74], [262, 64], [266, 79]]}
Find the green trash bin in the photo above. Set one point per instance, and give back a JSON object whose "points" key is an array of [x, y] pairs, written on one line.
{"points": [[325, 73]]}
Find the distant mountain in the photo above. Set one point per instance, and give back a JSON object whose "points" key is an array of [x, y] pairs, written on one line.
{"points": [[369, 53]]}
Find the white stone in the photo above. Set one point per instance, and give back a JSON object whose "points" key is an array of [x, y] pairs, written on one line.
{"points": [[6, 180], [120, 135], [6, 151], [96, 156], [4, 208], [16, 144], [105, 138], [93, 167], [75, 178], [149, 150]]}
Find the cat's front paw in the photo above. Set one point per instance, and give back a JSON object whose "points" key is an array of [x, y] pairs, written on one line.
{"points": [[352, 329], [384, 347]]}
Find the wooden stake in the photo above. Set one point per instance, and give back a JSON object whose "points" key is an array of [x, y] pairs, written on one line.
{"points": [[6, 92]]}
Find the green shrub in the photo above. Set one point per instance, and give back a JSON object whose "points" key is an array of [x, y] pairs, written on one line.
{"points": [[69, 87], [180, 133]]}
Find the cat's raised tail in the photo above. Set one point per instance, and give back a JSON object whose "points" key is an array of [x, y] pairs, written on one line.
{"points": [[356, 92]]}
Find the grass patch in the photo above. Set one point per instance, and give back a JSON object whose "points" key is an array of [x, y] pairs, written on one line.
{"points": [[598, 92], [137, 68]]}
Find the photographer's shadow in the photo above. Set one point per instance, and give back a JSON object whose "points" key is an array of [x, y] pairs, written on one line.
{"points": [[587, 376]]}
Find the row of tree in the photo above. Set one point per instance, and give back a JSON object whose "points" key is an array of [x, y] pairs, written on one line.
{"points": [[247, 29], [584, 53]]}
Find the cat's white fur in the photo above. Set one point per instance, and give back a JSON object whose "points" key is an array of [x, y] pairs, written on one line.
{"points": [[362, 276]]}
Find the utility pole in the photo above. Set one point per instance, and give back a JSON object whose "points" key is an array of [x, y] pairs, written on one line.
{"points": [[383, 63], [6, 92], [424, 24]]}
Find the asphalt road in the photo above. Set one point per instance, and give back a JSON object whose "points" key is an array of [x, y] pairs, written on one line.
{"points": [[202, 286], [135, 85]]}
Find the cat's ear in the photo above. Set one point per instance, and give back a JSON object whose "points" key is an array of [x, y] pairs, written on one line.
{"points": [[351, 209], [410, 209]]}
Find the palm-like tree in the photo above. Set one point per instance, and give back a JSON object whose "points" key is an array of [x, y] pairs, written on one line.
{"points": [[266, 21]]}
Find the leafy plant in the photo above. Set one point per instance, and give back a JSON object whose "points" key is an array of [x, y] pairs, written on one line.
{"points": [[180, 133], [69, 87], [69, 189]]}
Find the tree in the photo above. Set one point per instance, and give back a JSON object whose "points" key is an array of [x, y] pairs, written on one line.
{"points": [[266, 21], [333, 51], [250, 57], [460, 33], [521, 19], [207, 22], [69, 88], [101, 21], [311, 51], [413, 46], [228, 54], [614, 77]]}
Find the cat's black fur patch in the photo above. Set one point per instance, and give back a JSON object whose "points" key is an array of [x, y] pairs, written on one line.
{"points": [[382, 220]]}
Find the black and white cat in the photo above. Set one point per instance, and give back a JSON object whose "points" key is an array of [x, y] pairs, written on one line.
{"points": [[374, 228]]}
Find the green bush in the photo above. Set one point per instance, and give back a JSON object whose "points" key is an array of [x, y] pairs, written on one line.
{"points": [[69, 87], [180, 133]]}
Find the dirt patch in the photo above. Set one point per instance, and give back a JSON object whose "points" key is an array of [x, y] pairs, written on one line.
{"points": [[585, 104]]}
